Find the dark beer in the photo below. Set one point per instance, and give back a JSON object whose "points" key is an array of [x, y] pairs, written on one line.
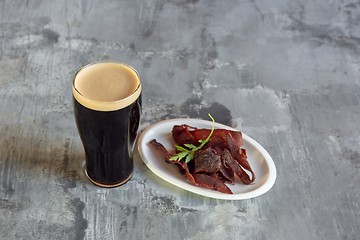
{"points": [[107, 121]]}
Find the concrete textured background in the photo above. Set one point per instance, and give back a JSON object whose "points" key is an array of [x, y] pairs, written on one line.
{"points": [[284, 72]]}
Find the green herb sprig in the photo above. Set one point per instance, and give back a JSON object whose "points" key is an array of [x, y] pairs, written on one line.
{"points": [[188, 154]]}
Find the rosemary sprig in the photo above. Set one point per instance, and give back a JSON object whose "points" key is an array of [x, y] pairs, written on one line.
{"points": [[188, 154]]}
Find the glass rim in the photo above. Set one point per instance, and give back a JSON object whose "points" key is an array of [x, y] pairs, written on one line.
{"points": [[106, 105]]}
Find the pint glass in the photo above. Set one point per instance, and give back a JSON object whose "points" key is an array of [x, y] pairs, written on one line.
{"points": [[107, 109]]}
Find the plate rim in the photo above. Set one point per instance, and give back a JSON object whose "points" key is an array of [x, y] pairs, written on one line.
{"points": [[266, 186]]}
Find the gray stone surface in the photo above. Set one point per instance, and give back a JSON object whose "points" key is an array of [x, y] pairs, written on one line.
{"points": [[284, 72]]}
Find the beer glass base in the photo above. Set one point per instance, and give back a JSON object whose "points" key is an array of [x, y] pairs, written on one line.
{"points": [[106, 185]]}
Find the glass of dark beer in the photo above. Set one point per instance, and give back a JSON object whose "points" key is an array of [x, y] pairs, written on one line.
{"points": [[107, 108]]}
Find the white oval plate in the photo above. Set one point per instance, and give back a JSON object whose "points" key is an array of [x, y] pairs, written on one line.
{"points": [[260, 161]]}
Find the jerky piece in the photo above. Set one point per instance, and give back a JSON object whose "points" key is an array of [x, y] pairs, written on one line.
{"points": [[182, 166], [219, 137], [207, 161], [206, 181], [220, 175], [227, 172], [182, 134], [161, 147], [230, 163], [185, 134], [239, 156]]}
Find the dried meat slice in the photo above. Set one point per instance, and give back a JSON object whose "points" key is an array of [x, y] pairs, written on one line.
{"points": [[185, 134], [230, 163], [182, 166], [161, 147], [182, 135], [239, 156], [227, 173], [218, 138], [207, 161], [204, 180]]}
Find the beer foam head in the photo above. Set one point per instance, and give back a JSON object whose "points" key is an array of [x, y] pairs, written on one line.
{"points": [[106, 85]]}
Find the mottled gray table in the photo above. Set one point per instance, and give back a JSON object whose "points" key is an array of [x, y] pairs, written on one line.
{"points": [[286, 73]]}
